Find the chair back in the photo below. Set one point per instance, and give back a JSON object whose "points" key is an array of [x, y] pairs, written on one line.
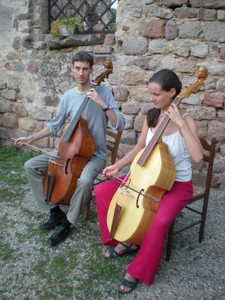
{"points": [[208, 157], [112, 143]]}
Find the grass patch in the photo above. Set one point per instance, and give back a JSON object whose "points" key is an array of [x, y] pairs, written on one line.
{"points": [[12, 174], [72, 270], [6, 251]]}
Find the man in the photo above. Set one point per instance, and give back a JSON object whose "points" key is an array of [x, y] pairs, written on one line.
{"points": [[100, 108]]}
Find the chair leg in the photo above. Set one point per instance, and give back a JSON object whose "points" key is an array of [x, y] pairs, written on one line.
{"points": [[201, 232], [86, 210], [170, 240]]}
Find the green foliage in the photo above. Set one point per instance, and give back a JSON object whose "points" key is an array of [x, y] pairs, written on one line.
{"points": [[112, 25], [12, 174], [73, 25]]}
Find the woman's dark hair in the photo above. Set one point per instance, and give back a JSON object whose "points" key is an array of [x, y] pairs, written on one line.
{"points": [[167, 79], [83, 56]]}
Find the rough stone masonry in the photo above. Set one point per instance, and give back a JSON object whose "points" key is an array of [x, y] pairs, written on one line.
{"points": [[151, 34]]}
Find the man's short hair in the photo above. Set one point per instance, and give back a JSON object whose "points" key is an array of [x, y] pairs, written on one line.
{"points": [[83, 56]]}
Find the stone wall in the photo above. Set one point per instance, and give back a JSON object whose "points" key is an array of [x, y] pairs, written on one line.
{"points": [[177, 34]]}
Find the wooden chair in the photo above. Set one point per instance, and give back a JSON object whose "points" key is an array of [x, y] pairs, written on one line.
{"points": [[112, 143], [198, 194]]}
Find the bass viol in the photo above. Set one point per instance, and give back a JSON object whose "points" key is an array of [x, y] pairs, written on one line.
{"points": [[75, 149], [152, 173]]}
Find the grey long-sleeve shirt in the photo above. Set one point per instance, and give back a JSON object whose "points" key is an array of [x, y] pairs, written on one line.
{"points": [[95, 116]]}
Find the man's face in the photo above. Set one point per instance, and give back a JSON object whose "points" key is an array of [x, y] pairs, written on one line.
{"points": [[81, 71]]}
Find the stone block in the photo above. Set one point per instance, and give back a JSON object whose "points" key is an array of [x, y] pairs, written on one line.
{"points": [[158, 47], [214, 31], [148, 62], [200, 50], [214, 68], [6, 106], [109, 39], [134, 76], [27, 124], [74, 41], [168, 62], [216, 129], [192, 100], [146, 107], [139, 93], [203, 113], [124, 149], [190, 30], [171, 30], [19, 109], [124, 60], [185, 12], [6, 15], [102, 49], [131, 108], [129, 137], [218, 165], [222, 151], [221, 115], [202, 128], [11, 56], [14, 82], [18, 67], [10, 120], [207, 14], [221, 15], [208, 3], [8, 67], [17, 43], [2, 83], [221, 85], [172, 3], [120, 93], [32, 67], [41, 115], [135, 45], [209, 83], [116, 77], [40, 45], [181, 47], [159, 12], [152, 29], [10, 94], [222, 52], [129, 122], [186, 66], [138, 123], [215, 99]]}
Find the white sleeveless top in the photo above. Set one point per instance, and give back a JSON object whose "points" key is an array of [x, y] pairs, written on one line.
{"points": [[179, 153]]}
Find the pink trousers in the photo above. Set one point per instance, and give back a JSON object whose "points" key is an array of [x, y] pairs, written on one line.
{"points": [[145, 265]]}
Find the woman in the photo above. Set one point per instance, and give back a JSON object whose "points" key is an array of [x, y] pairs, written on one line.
{"points": [[182, 139]]}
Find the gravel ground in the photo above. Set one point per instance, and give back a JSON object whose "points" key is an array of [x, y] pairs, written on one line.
{"points": [[195, 270]]}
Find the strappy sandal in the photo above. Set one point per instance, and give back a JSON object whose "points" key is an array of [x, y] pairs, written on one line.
{"points": [[126, 283], [114, 254]]}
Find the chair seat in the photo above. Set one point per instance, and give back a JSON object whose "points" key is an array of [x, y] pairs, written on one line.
{"points": [[197, 191]]}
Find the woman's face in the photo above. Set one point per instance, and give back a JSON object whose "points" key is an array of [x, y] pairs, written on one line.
{"points": [[161, 99]]}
